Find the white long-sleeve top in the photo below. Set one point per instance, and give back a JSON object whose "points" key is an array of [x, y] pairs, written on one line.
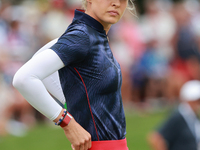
{"points": [[37, 78]]}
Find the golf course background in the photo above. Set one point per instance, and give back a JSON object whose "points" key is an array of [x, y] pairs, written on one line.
{"points": [[49, 137]]}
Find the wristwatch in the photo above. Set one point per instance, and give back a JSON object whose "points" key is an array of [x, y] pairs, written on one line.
{"points": [[66, 120]]}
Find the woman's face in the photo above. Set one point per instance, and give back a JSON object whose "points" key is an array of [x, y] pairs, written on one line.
{"points": [[107, 12]]}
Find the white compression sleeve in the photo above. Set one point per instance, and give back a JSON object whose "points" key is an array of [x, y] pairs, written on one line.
{"points": [[52, 82], [28, 81]]}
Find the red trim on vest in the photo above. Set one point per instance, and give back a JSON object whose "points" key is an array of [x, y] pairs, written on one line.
{"points": [[109, 145], [81, 10], [88, 103]]}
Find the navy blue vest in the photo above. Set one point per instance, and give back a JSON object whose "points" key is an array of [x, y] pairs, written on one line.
{"points": [[91, 79]]}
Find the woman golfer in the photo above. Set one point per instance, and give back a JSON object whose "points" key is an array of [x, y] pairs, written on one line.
{"points": [[79, 68]]}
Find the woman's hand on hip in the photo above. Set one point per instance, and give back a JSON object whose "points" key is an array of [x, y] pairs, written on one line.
{"points": [[78, 136]]}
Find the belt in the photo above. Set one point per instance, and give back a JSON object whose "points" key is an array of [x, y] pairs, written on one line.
{"points": [[109, 145]]}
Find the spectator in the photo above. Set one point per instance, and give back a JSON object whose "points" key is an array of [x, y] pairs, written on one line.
{"points": [[184, 64], [150, 71], [182, 130]]}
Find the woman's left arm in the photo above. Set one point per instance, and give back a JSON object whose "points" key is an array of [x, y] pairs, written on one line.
{"points": [[52, 82], [28, 81]]}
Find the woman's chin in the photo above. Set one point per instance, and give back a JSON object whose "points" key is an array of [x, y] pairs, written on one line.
{"points": [[112, 21]]}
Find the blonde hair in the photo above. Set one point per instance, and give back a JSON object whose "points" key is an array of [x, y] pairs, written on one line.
{"points": [[84, 4], [131, 7]]}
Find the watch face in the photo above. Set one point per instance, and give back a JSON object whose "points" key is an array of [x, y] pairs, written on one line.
{"points": [[66, 120]]}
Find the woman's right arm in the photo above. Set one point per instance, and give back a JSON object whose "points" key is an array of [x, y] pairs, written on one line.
{"points": [[28, 81]]}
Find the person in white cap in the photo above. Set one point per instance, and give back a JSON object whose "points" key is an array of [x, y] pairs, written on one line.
{"points": [[181, 131]]}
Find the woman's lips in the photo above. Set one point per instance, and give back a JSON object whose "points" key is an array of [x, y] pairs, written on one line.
{"points": [[113, 13]]}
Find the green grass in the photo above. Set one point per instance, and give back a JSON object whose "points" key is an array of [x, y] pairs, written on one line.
{"points": [[45, 137], [139, 126]]}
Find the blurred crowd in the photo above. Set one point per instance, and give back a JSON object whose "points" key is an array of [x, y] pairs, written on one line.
{"points": [[157, 47]]}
